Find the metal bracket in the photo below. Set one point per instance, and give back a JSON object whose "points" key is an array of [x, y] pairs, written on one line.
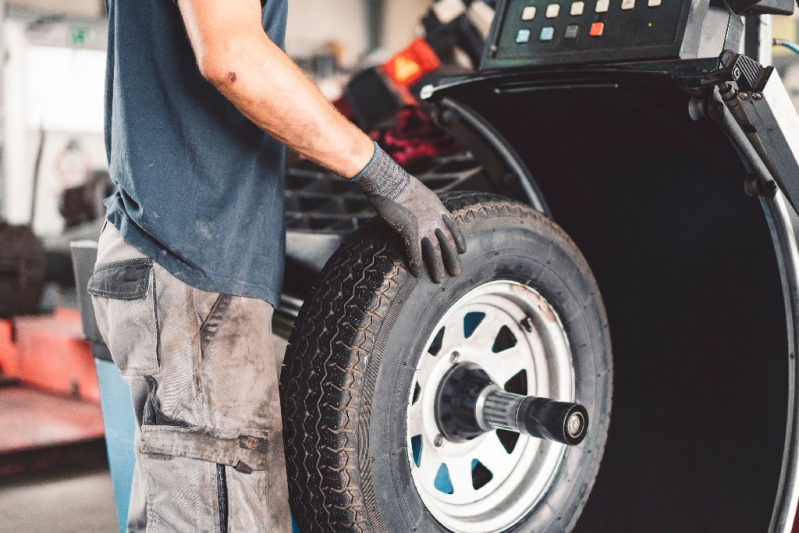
{"points": [[748, 74], [764, 127]]}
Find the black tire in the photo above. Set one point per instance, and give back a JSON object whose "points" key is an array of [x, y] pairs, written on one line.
{"points": [[353, 351]]}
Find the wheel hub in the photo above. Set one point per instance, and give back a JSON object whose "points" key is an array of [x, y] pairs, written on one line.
{"points": [[469, 404], [501, 338]]}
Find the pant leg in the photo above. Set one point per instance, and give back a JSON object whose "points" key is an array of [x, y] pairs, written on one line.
{"points": [[204, 388], [137, 505], [240, 385]]}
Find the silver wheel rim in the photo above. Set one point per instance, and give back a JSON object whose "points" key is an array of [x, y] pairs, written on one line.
{"points": [[512, 332]]}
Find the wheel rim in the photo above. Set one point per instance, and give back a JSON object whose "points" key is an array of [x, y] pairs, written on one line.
{"points": [[489, 483]]}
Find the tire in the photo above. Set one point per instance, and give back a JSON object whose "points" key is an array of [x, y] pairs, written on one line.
{"points": [[351, 368]]}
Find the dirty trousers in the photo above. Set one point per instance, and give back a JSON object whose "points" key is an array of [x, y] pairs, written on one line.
{"points": [[201, 370]]}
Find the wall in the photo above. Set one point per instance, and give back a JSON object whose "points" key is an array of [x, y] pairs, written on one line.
{"points": [[785, 28], [786, 61], [312, 23], [60, 90], [2, 110], [75, 8], [401, 20]]}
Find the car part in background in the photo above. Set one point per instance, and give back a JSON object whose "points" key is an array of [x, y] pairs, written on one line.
{"points": [[415, 139], [453, 29], [83, 211], [83, 203], [21, 271], [393, 386]]}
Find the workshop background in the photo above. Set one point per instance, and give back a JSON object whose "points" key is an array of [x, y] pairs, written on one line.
{"points": [[54, 470]]}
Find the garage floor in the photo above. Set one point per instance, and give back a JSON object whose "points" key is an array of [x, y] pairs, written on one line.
{"points": [[66, 500]]}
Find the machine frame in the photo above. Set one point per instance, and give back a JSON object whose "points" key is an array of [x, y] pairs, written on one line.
{"points": [[752, 108]]}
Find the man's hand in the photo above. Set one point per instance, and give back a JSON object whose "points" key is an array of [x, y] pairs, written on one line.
{"points": [[416, 213]]}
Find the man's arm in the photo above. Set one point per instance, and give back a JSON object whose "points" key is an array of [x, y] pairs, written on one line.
{"points": [[235, 54]]}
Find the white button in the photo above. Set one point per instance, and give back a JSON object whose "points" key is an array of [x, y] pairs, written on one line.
{"points": [[627, 4], [577, 9], [602, 6], [655, 3], [528, 13], [553, 10]]}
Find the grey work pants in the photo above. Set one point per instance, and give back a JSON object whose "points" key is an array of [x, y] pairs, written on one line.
{"points": [[202, 376]]}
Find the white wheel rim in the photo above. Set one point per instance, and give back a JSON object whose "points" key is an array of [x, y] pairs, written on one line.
{"points": [[457, 494]]}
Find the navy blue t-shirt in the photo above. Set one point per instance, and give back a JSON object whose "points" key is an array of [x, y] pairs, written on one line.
{"points": [[200, 186]]}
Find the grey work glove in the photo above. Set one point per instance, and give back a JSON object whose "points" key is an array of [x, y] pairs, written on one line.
{"points": [[415, 212]]}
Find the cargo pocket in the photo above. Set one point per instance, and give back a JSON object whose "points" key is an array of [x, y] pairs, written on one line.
{"points": [[124, 299], [210, 470]]}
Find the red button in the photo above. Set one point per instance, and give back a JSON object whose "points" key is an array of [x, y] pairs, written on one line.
{"points": [[596, 29]]}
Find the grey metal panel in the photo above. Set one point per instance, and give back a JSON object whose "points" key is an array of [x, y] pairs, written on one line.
{"points": [[777, 125]]}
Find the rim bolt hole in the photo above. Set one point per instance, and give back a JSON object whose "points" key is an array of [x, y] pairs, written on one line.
{"points": [[527, 324], [454, 357], [438, 441]]}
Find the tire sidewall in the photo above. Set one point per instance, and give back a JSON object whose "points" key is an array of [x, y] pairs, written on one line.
{"points": [[500, 248]]}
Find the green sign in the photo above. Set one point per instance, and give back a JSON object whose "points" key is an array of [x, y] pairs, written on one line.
{"points": [[78, 35]]}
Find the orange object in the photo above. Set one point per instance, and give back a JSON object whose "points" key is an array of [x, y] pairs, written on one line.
{"points": [[597, 29], [408, 66], [50, 353], [9, 355]]}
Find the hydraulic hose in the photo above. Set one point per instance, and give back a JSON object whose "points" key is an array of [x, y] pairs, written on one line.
{"points": [[787, 44]]}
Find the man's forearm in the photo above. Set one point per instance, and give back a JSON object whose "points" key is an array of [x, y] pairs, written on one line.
{"points": [[268, 87]]}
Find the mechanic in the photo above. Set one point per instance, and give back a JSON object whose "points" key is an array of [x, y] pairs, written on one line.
{"points": [[200, 99]]}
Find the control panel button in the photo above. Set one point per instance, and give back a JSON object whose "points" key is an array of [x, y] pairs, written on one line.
{"points": [[553, 10], [627, 5], [571, 31], [529, 13], [547, 33], [523, 36], [602, 6], [597, 29], [654, 3], [577, 9]]}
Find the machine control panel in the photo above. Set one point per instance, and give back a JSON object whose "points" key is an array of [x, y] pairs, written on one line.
{"points": [[554, 32]]}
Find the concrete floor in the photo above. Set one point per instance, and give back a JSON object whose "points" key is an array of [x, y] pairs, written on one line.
{"points": [[63, 501]]}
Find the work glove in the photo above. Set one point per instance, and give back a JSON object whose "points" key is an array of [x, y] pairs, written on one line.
{"points": [[415, 212]]}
